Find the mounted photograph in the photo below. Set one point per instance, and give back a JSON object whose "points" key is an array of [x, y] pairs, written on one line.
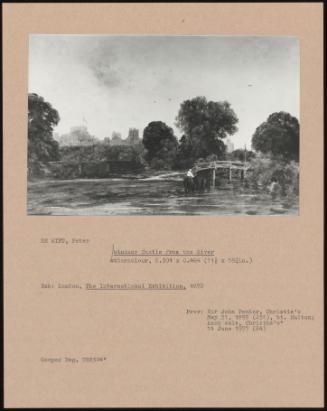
{"points": [[163, 125]]}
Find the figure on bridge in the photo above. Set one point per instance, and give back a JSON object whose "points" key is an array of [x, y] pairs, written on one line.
{"points": [[197, 180], [189, 181], [190, 173]]}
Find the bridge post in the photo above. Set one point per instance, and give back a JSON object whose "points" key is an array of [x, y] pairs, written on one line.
{"points": [[230, 173], [213, 177]]}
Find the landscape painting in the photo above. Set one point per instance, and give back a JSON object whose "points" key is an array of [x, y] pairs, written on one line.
{"points": [[163, 125]]}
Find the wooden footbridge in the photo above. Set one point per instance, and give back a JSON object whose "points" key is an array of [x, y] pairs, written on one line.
{"points": [[230, 166]]}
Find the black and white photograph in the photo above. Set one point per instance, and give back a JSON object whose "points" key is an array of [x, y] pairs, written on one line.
{"points": [[163, 125]]}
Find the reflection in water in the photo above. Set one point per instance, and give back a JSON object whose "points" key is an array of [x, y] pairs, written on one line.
{"points": [[151, 196]]}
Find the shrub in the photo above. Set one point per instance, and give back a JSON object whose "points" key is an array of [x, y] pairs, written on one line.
{"points": [[278, 177]]}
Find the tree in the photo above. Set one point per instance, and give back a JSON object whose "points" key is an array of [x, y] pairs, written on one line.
{"points": [[184, 153], [205, 124], [42, 117], [241, 155], [278, 136], [160, 143]]}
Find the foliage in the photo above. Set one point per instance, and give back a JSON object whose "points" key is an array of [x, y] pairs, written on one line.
{"points": [[77, 153], [184, 154], [42, 117], [275, 176], [103, 152], [160, 164], [133, 153], [279, 136], [240, 155], [205, 124], [160, 144], [212, 157]]}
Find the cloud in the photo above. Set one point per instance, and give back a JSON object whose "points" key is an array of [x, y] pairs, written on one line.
{"points": [[102, 60], [107, 75], [114, 80]]}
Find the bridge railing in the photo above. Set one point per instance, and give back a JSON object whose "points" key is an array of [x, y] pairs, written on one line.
{"points": [[221, 164]]}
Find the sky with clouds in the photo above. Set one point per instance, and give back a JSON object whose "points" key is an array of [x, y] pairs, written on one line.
{"points": [[118, 82]]}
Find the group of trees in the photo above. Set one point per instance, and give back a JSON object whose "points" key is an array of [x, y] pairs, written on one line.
{"points": [[204, 124], [101, 151], [241, 155]]}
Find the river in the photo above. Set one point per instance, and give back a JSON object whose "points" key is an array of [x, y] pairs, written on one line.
{"points": [[160, 195]]}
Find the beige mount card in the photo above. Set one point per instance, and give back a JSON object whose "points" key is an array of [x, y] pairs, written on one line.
{"points": [[163, 205]]}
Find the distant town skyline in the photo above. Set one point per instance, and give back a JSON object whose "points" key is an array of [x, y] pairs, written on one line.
{"points": [[114, 83], [79, 135]]}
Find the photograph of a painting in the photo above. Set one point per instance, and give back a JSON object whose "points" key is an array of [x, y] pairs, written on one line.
{"points": [[163, 125]]}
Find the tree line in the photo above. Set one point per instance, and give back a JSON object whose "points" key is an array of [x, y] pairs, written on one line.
{"points": [[204, 124]]}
